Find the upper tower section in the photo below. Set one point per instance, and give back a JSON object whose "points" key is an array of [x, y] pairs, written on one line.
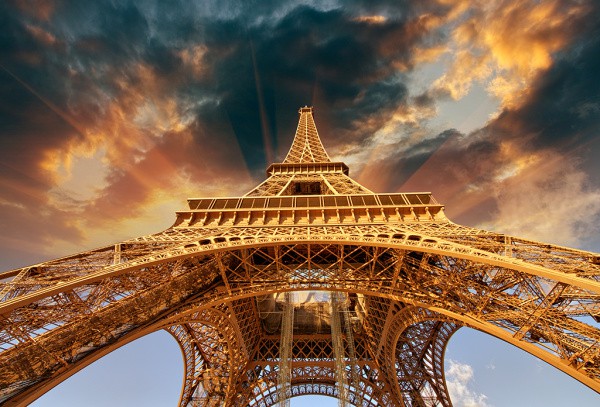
{"points": [[308, 156], [309, 189], [307, 146], [307, 168]]}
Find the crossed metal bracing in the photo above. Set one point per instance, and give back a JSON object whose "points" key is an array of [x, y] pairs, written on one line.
{"points": [[57, 319], [332, 184]]}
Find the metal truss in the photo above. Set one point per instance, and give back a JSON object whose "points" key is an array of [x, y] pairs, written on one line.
{"points": [[402, 278]]}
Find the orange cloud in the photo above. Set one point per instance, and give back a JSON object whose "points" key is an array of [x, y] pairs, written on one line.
{"points": [[41, 35], [144, 151], [506, 44], [375, 19], [193, 58]]}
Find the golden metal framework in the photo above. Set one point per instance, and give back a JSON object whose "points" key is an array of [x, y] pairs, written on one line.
{"points": [[402, 279]]}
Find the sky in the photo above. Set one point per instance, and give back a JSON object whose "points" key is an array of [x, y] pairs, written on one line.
{"points": [[113, 113]]}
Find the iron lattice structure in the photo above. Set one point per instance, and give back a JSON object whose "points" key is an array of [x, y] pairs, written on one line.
{"points": [[395, 279]]}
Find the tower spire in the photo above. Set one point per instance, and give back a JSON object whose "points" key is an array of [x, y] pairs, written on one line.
{"points": [[307, 169], [307, 146]]}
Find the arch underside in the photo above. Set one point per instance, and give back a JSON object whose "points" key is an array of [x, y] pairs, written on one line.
{"points": [[407, 369], [408, 292]]}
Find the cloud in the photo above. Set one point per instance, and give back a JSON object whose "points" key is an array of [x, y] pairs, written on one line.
{"points": [[345, 66], [507, 47], [552, 201], [459, 377], [115, 103], [389, 166], [506, 44]]}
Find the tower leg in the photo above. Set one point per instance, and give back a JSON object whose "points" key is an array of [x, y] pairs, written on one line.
{"points": [[415, 356], [285, 351], [338, 349]]}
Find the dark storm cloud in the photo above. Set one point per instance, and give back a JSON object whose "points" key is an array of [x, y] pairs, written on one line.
{"points": [[29, 122], [418, 154], [332, 59], [390, 173], [563, 109], [292, 56]]}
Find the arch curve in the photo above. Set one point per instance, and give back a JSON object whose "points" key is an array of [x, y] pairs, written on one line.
{"points": [[496, 297]]}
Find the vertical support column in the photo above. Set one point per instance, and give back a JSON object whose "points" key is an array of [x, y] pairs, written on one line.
{"points": [[508, 246], [354, 368], [285, 352], [338, 350], [117, 254]]}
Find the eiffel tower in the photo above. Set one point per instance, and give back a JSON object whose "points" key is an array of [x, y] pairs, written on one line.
{"points": [[308, 284]]}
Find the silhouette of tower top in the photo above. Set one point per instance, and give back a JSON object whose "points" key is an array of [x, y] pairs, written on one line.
{"points": [[307, 146]]}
